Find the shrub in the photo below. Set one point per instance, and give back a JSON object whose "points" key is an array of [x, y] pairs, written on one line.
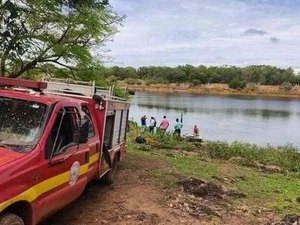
{"points": [[130, 81], [286, 157], [149, 82], [196, 82], [237, 84], [154, 81], [286, 86], [112, 79], [138, 82], [252, 86], [120, 92]]}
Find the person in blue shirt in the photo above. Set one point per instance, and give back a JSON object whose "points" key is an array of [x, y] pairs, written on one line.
{"points": [[178, 126]]}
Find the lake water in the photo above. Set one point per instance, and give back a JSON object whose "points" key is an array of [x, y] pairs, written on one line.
{"points": [[258, 120]]}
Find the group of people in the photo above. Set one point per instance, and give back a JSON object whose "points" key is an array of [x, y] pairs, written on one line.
{"points": [[164, 125], [153, 124]]}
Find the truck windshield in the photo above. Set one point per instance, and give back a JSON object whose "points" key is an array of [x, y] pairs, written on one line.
{"points": [[21, 123]]}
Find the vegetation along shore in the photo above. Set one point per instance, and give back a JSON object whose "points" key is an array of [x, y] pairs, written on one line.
{"points": [[225, 80], [217, 89]]}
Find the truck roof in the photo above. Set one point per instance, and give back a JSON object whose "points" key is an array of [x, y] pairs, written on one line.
{"points": [[47, 99], [52, 90]]}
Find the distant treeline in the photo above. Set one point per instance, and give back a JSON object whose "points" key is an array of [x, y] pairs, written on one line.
{"points": [[235, 77], [266, 75]]}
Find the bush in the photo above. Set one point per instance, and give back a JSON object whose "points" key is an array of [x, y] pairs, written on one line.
{"points": [[286, 86], [120, 92], [154, 81], [196, 82], [112, 79], [237, 84], [252, 86], [286, 157], [130, 81], [149, 82], [138, 82]]}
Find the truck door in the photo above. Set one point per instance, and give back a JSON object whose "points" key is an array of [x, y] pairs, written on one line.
{"points": [[66, 164], [93, 143]]}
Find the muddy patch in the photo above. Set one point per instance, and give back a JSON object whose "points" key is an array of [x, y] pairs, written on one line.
{"points": [[200, 188], [203, 199]]}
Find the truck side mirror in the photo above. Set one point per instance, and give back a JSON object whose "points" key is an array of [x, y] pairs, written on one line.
{"points": [[84, 131]]}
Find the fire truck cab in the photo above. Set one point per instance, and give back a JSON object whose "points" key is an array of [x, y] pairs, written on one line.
{"points": [[55, 137]]}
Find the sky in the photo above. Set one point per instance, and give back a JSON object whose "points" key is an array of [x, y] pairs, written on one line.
{"points": [[208, 32]]}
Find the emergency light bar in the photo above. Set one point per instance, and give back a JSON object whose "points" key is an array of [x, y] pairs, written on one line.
{"points": [[11, 82]]}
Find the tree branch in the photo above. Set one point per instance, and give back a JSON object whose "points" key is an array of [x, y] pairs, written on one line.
{"points": [[61, 64], [39, 58]]}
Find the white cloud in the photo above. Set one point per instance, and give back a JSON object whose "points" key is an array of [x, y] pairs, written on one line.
{"points": [[171, 32]]}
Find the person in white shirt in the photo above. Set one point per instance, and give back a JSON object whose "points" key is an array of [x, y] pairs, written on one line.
{"points": [[152, 124]]}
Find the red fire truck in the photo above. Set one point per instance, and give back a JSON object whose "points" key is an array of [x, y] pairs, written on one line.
{"points": [[55, 137]]}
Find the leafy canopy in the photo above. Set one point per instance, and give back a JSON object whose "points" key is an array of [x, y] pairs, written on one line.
{"points": [[67, 33]]}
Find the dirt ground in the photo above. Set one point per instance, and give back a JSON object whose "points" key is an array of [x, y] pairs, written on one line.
{"points": [[136, 198]]}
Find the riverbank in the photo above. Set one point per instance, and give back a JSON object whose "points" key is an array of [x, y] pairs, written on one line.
{"points": [[217, 89], [169, 181], [200, 177]]}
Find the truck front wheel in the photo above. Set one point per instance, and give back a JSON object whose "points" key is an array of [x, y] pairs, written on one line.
{"points": [[10, 219], [109, 177]]}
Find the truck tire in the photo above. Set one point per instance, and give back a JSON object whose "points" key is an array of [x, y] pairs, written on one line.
{"points": [[10, 219], [109, 177]]}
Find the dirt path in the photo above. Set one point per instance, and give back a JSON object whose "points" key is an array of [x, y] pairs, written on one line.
{"points": [[134, 199]]}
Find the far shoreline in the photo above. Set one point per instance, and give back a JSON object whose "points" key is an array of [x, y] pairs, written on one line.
{"points": [[268, 91]]}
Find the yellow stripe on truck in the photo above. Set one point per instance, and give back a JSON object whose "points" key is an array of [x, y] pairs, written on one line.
{"points": [[94, 158], [34, 192]]}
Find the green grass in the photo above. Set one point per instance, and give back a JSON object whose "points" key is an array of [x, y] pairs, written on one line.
{"points": [[193, 167], [286, 157], [276, 191]]}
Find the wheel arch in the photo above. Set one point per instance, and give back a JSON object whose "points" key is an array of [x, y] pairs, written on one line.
{"points": [[23, 209]]}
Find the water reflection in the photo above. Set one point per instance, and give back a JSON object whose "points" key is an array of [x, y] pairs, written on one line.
{"points": [[229, 111], [250, 119]]}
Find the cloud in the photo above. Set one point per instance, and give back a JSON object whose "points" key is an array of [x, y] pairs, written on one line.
{"points": [[211, 32], [274, 40], [252, 31]]}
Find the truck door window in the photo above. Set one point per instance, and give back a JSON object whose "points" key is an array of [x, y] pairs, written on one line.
{"points": [[64, 133], [87, 115], [116, 130], [109, 127], [123, 126]]}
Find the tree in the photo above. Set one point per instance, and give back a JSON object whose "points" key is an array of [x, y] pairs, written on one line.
{"points": [[66, 33]]}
